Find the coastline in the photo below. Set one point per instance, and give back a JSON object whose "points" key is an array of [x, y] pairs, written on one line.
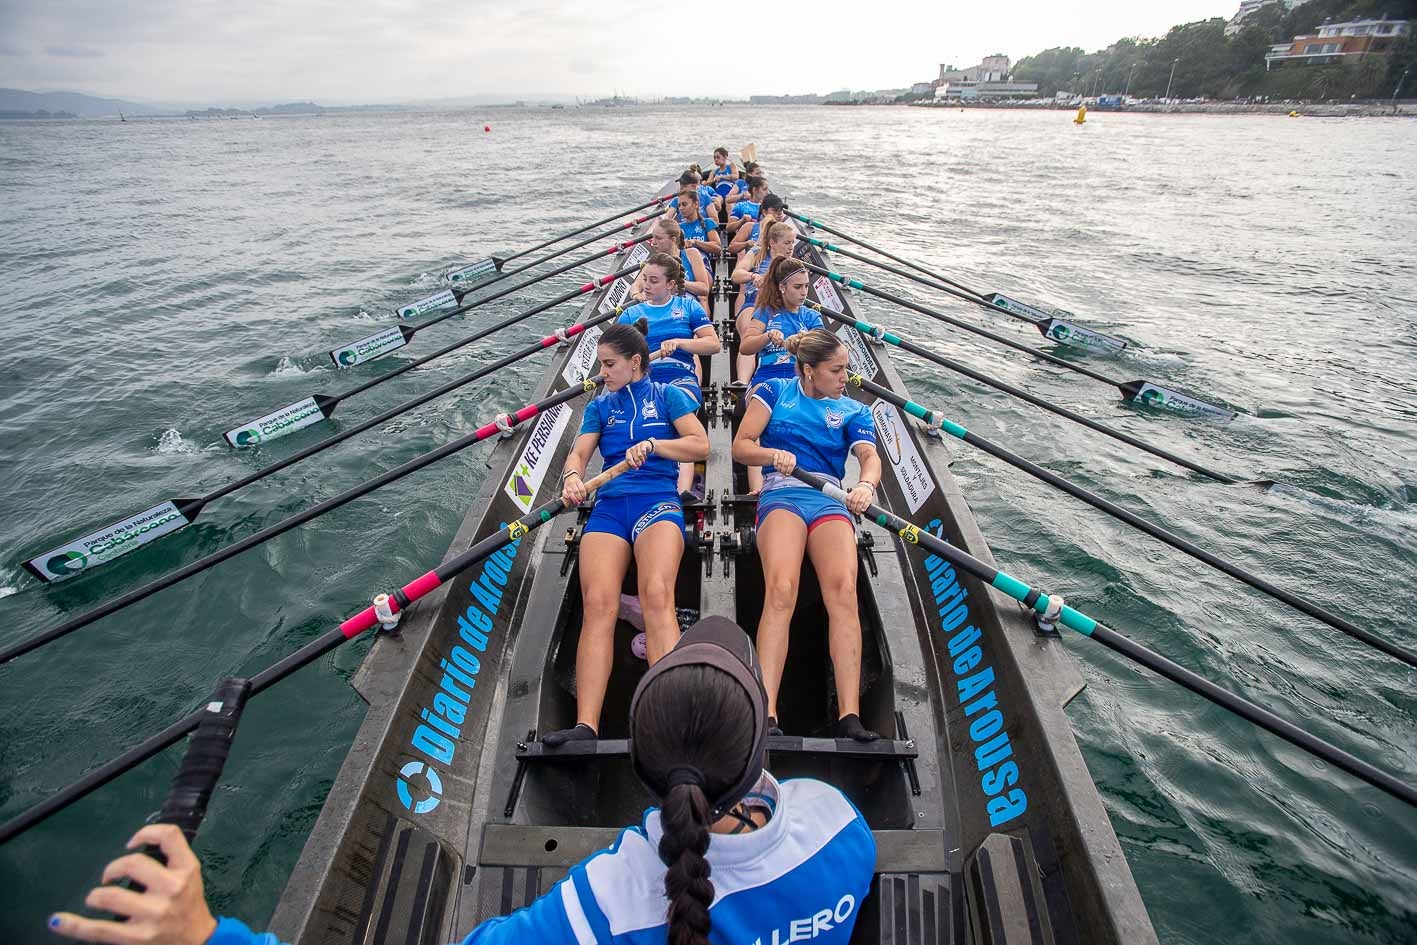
{"points": [[1403, 109]]}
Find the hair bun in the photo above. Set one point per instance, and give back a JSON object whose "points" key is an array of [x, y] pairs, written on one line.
{"points": [[642, 326]]}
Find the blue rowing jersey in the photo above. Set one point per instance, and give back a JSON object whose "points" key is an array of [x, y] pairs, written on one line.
{"points": [[775, 361], [705, 201], [698, 230], [639, 410], [802, 876], [750, 290], [819, 431], [680, 317], [745, 208]]}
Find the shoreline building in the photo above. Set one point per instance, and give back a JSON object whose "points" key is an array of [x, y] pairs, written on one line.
{"points": [[989, 80], [1335, 41]]}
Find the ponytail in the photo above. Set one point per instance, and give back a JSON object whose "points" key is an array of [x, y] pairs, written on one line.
{"points": [[673, 268], [813, 347], [684, 817], [782, 268], [629, 341], [672, 229]]}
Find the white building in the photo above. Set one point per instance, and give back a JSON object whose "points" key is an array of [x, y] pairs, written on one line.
{"points": [[1247, 7]]}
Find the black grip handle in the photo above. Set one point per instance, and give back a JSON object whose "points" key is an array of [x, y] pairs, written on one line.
{"points": [[197, 777]]}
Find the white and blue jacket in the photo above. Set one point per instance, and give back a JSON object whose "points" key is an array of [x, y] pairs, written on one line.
{"points": [[802, 877]]}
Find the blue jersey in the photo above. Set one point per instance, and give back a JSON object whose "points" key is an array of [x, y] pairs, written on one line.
{"points": [[775, 360], [745, 208], [680, 317], [819, 431], [636, 412], [722, 175], [802, 876], [698, 230], [750, 289], [705, 201]]}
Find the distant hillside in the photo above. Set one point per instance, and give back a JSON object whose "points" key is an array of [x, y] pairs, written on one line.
{"points": [[77, 103]]}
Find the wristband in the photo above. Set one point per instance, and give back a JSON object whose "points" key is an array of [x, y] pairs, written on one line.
{"points": [[652, 447], [568, 474]]}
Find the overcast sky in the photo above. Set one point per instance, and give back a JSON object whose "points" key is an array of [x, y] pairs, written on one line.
{"points": [[346, 51]]}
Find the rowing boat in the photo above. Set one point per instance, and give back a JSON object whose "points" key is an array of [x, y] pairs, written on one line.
{"points": [[448, 811]]}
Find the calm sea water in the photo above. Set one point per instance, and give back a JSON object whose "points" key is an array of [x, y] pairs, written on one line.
{"points": [[166, 279]]}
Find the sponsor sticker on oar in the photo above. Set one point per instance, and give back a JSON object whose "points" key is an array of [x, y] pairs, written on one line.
{"points": [[431, 303], [113, 541], [1150, 395], [1076, 336], [469, 276], [1015, 307], [376, 345], [282, 422]]}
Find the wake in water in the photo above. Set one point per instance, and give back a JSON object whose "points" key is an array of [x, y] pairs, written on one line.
{"points": [[170, 443], [287, 366]]}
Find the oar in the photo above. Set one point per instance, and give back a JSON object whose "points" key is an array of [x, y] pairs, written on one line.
{"points": [[59, 566], [367, 618], [937, 420], [318, 407], [1073, 619], [1144, 392], [882, 334], [749, 152], [503, 423], [1049, 323], [397, 336], [500, 261]]}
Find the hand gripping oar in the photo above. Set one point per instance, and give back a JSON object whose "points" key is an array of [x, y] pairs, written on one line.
{"points": [[186, 803], [938, 421], [1049, 323], [318, 407], [503, 423], [397, 336], [1146, 393], [1012, 587], [189, 509], [119, 538], [364, 620], [881, 334]]}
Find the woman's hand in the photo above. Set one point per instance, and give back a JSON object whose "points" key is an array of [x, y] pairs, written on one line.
{"points": [[172, 910], [670, 345], [784, 461], [573, 491], [758, 281], [862, 495], [639, 452], [775, 337]]}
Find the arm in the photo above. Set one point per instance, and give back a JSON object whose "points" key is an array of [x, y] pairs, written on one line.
{"points": [[690, 446], [748, 451], [742, 241], [705, 342], [637, 289], [755, 336], [744, 270], [699, 283], [711, 242], [573, 491], [862, 495]]}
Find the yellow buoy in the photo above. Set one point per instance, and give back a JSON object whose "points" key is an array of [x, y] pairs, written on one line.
{"points": [[1082, 115], [1293, 114]]}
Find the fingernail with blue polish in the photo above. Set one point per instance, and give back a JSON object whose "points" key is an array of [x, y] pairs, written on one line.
{"points": [[54, 922]]}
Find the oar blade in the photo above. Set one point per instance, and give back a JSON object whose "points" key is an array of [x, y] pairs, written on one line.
{"points": [[1075, 336], [1015, 307], [372, 346], [282, 422], [113, 541], [466, 277], [1150, 394], [431, 303]]}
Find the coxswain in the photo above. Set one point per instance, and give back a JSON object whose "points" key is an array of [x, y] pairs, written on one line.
{"points": [[808, 421], [730, 854], [723, 175], [679, 329], [666, 236]]}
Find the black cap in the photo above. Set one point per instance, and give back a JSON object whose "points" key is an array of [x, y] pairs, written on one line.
{"points": [[772, 202], [722, 644]]}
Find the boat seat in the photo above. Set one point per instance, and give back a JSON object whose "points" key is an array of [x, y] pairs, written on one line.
{"points": [[601, 749]]}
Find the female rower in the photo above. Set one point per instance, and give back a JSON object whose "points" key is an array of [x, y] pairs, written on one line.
{"points": [[746, 211], [723, 170], [769, 211], [679, 329], [666, 236], [808, 421], [730, 854], [653, 426], [700, 232]]}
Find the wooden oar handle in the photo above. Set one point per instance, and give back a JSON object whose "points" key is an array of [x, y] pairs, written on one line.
{"points": [[604, 476]]}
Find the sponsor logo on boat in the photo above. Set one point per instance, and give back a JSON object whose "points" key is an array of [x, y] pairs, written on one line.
{"points": [[425, 305], [1152, 396], [973, 681], [108, 543], [434, 743], [637, 255], [582, 362], [530, 470], [826, 293], [857, 354], [911, 473], [809, 927], [367, 349], [615, 297], [284, 421]]}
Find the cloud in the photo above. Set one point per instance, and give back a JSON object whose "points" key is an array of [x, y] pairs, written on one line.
{"points": [[74, 52]]}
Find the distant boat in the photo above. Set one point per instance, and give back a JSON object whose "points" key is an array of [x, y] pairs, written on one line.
{"points": [[120, 117]]}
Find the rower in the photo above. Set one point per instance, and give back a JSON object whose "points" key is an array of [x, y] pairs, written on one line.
{"points": [[778, 313], [700, 232], [709, 201], [679, 329], [723, 173], [652, 426], [769, 211], [666, 236], [731, 854], [740, 186], [745, 211], [809, 420], [776, 242]]}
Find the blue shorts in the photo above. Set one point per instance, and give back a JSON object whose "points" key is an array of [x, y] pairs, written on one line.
{"points": [[811, 506], [628, 516], [688, 383]]}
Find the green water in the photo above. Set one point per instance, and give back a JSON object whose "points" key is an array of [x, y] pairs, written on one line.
{"points": [[165, 280]]}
